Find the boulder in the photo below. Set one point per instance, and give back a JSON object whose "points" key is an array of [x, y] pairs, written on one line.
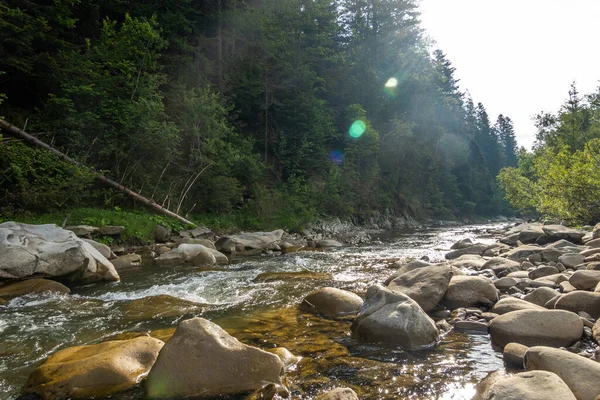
{"points": [[111, 230], [476, 249], [514, 354], [83, 230], [505, 283], [585, 279], [595, 243], [562, 232], [469, 291], [536, 327], [327, 243], [102, 248], [542, 271], [98, 370], [256, 240], [471, 326], [51, 252], [580, 301], [406, 267], [192, 250], [566, 287], [332, 302], [541, 296], [522, 252], [338, 394], [530, 385], [161, 234], [160, 306], [286, 356], [393, 317], [173, 257], [127, 261], [462, 244], [531, 234], [204, 242], [571, 260], [509, 304], [204, 258], [32, 286], [469, 261], [202, 360], [426, 286], [499, 264], [581, 374]]}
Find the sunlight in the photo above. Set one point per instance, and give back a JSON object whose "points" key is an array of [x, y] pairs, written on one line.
{"points": [[391, 83], [357, 129]]}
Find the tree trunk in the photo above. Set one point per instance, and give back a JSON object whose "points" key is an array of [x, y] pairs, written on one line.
{"points": [[16, 132]]}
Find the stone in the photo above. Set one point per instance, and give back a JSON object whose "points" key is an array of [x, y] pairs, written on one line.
{"points": [[256, 240], [505, 283], [462, 244], [541, 296], [127, 261], [514, 354], [204, 258], [562, 232], [522, 252], [543, 271], [160, 306], [394, 318], [332, 302], [469, 261], [110, 230], [286, 356], [172, 257], [509, 304], [566, 287], [529, 385], [571, 260], [229, 245], [426, 286], [581, 374], [595, 243], [338, 394], [102, 248], [192, 250], [536, 327], [531, 234], [471, 326], [98, 370], [202, 360], [328, 243], [407, 267], [204, 242], [47, 251], [519, 275], [476, 249], [585, 279], [162, 234], [580, 301], [596, 331], [499, 264], [32, 286], [83, 230], [467, 291]]}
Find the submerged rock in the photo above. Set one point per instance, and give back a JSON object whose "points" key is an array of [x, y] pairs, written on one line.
{"points": [[338, 394], [537, 327], [393, 317], [332, 302], [96, 370], [203, 360], [32, 286], [161, 306], [49, 251]]}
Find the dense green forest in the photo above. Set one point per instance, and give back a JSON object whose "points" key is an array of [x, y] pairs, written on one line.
{"points": [[560, 178], [268, 108]]}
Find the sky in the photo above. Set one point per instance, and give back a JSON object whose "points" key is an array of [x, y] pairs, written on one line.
{"points": [[518, 57]]}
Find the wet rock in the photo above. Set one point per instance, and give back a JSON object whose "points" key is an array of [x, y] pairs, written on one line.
{"points": [[291, 276], [467, 291], [204, 258], [513, 304], [580, 301], [542, 271], [286, 356], [582, 375], [96, 370], [471, 326], [392, 317], [476, 249], [536, 327], [227, 366], [541, 296], [514, 354], [49, 251], [32, 286], [327, 243], [338, 394], [332, 302], [426, 286], [530, 385], [585, 279], [127, 261], [161, 306]]}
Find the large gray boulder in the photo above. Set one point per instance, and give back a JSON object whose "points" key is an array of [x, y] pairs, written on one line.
{"points": [[470, 291], [580, 301], [562, 232], [426, 286], [196, 254], [536, 327], [50, 252], [581, 374], [406, 267], [255, 240], [332, 302], [531, 385], [202, 360], [393, 317]]}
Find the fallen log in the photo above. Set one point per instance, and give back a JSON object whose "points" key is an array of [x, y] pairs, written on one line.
{"points": [[18, 133]]}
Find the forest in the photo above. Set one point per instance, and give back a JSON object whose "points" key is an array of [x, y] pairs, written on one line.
{"points": [[274, 110]]}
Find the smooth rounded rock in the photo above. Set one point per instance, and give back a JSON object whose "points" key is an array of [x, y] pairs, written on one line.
{"points": [[332, 302], [543, 271], [541, 296], [32, 286], [514, 354], [468, 291], [202, 360], [585, 279], [505, 283], [536, 327], [530, 385], [509, 304], [426, 286], [580, 301]]}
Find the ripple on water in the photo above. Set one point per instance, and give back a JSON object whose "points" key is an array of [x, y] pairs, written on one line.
{"points": [[258, 313]]}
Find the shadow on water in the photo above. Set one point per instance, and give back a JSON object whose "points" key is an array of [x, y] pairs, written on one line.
{"points": [[260, 312]]}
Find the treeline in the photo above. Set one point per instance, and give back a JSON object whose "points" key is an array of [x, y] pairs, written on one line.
{"points": [[287, 108], [560, 178]]}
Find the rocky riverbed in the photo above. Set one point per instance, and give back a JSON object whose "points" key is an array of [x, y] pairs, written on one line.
{"points": [[405, 316]]}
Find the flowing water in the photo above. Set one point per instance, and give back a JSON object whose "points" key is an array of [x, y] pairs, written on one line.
{"points": [[260, 313]]}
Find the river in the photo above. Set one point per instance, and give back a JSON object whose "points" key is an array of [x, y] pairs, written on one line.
{"points": [[259, 313]]}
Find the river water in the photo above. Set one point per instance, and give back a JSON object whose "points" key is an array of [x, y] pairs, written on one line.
{"points": [[260, 313]]}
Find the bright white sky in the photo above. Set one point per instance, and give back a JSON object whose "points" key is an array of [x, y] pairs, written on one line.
{"points": [[518, 57]]}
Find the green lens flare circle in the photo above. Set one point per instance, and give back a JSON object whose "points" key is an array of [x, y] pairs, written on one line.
{"points": [[357, 129]]}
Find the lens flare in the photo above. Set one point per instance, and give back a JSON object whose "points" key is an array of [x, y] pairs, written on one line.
{"points": [[336, 157], [391, 83], [357, 129]]}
